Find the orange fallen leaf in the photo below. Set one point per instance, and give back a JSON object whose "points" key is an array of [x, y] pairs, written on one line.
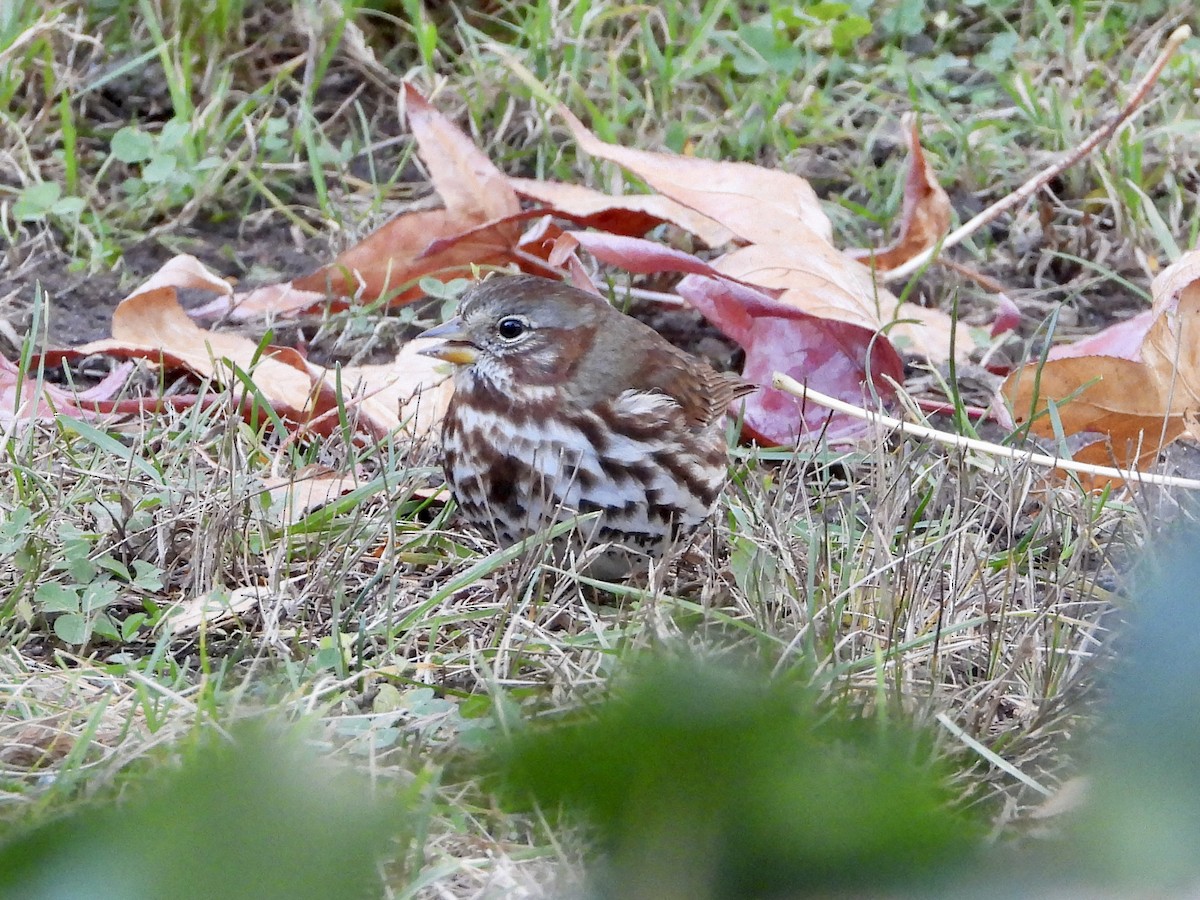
{"points": [[411, 392], [1128, 408], [390, 260], [1112, 405], [150, 324], [476, 198], [479, 223], [924, 213]]}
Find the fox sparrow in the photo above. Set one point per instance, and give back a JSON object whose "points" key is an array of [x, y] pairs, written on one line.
{"points": [[564, 406]]}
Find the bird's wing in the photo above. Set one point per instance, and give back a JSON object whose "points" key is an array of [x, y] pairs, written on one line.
{"points": [[703, 393]]}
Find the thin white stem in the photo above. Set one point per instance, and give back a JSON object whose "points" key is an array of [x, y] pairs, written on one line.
{"points": [[1134, 476]]}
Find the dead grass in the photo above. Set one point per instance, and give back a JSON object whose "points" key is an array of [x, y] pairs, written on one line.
{"points": [[901, 574]]}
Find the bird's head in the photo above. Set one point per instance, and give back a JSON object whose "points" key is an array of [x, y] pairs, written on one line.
{"points": [[520, 330]]}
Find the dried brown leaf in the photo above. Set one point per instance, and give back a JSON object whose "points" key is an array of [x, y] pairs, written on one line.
{"points": [[758, 205], [409, 393], [630, 214], [924, 213], [1132, 406]]}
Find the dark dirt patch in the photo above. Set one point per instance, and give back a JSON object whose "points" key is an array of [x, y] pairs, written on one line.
{"points": [[81, 304]]}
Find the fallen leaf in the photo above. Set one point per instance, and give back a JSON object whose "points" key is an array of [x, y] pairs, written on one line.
{"points": [[630, 214], [924, 213], [1114, 403], [25, 398], [758, 205], [1172, 346], [409, 394], [463, 176], [479, 224], [847, 361], [817, 279], [277, 299], [213, 609], [1122, 339], [150, 324], [639, 255], [1133, 404], [311, 487]]}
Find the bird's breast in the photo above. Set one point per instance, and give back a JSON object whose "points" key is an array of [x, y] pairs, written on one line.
{"points": [[544, 464]]}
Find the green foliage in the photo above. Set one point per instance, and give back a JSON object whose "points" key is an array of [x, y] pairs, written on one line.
{"points": [[705, 782], [166, 169], [44, 200], [1146, 787], [255, 815], [89, 583]]}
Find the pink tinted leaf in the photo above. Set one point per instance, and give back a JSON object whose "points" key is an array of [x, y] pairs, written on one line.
{"points": [[817, 279], [1008, 314], [641, 256], [282, 299], [23, 399], [1123, 340], [844, 360]]}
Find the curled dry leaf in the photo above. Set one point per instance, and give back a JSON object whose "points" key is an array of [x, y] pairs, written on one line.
{"points": [[463, 176], [213, 610], [1126, 402], [479, 223], [24, 398], [848, 361], [924, 213], [793, 301], [150, 324]]}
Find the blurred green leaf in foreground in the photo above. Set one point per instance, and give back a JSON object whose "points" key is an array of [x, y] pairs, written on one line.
{"points": [[261, 816], [702, 782], [1142, 826]]}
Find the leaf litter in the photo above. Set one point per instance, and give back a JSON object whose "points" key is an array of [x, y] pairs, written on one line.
{"points": [[776, 286]]}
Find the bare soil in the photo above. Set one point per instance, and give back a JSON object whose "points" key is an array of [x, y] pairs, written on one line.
{"points": [[81, 304]]}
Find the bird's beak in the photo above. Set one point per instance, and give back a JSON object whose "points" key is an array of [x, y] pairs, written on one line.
{"points": [[455, 347]]}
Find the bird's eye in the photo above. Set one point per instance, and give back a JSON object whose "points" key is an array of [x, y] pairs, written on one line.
{"points": [[511, 327]]}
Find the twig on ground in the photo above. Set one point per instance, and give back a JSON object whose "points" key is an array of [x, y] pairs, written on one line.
{"points": [[796, 389], [1037, 182]]}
